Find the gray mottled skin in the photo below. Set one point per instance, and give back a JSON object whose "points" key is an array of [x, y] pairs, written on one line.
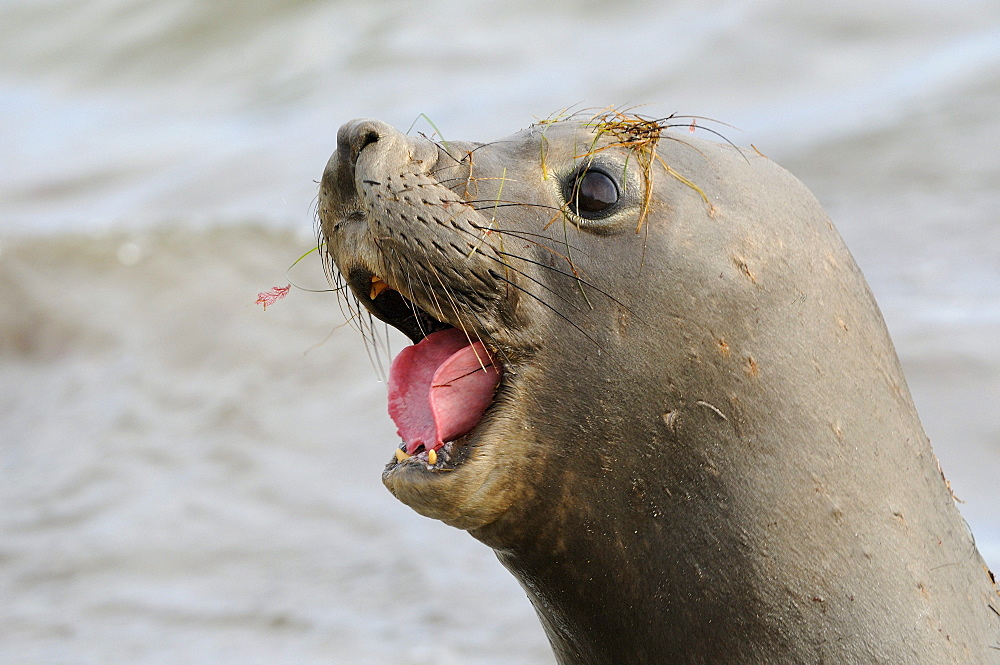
{"points": [[703, 449]]}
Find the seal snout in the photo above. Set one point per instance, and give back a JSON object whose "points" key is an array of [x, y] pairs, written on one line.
{"points": [[402, 220], [341, 179]]}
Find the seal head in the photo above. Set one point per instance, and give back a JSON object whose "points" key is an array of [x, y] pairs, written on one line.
{"points": [[686, 430]]}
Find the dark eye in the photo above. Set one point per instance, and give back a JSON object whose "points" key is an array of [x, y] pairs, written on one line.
{"points": [[593, 193]]}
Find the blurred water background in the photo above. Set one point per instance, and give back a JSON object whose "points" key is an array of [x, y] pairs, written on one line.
{"points": [[187, 478]]}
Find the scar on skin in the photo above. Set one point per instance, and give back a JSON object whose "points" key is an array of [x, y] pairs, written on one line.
{"points": [[712, 408], [744, 268]]}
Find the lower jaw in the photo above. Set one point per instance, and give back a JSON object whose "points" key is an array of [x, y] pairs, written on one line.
{"points": [[468, 484], [464, 488], [445, 458]]}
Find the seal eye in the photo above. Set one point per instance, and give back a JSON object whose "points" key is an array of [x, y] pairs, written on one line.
{"points": [[593, 193]]}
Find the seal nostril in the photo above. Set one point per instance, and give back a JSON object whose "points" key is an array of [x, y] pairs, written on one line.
{"points": [[369, 138], [361, 140], [353, 137]]}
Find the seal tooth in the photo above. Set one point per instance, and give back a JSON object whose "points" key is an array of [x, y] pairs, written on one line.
{"points": [[378, 286], [401, 455], [432, 456]]}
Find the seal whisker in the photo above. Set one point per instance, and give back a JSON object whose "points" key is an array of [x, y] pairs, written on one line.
{"points": [[525, 291], [507, 265], [507, 204], [329, 335], [431, 293], [468, 154], [409, 289], [446, 181], [569, 261], [469, 178], [354, 310], [493, 345], [459, 319], [371, 347], [486, 230], [569, 254], [575, 274], [704, 129], [412, 292], [575, 277], [526, 236]]}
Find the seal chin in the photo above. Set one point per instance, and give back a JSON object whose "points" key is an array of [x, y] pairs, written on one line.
{"points": [[460, 483]]}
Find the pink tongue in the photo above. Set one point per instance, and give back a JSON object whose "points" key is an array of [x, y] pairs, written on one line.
{"points": [[439, 390]]}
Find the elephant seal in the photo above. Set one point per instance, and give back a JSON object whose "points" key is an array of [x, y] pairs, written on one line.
{"points": [[686, 431]]}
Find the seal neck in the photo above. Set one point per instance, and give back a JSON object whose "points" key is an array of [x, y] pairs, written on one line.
{"points": [[747, 534], [607, 590]]}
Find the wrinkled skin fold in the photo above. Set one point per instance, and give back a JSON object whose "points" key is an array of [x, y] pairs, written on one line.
{"points": [[702, 448]]}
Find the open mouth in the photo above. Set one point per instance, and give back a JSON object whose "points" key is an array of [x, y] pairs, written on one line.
{"points": [[440, 387]]}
